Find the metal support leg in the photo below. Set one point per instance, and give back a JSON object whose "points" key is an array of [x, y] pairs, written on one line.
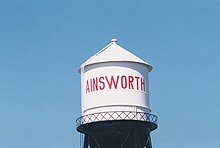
{"points": [[86, 141]]}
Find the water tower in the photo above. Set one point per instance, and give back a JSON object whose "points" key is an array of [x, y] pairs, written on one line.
{"points": [[115, 100]]}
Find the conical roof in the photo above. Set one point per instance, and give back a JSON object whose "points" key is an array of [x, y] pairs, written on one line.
{"points": [[114, 53]]}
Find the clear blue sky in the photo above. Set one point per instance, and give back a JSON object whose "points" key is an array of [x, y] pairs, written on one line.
{"points": [[43, 43]]}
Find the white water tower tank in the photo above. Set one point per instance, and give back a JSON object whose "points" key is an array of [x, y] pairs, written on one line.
{"points": [[115, 100], [114, 80]]}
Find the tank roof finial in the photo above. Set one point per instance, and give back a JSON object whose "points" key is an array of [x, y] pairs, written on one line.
{"points": [[114, 40]]}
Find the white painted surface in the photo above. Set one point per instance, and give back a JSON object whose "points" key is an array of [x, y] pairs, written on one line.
{"points": [[114, 52], [114, 80]]}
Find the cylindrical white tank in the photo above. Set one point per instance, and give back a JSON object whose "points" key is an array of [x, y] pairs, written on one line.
{"points": [[114, 80]]}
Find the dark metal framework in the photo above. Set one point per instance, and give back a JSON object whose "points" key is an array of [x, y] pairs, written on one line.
{"points": [[117, 115], [137, 123]]}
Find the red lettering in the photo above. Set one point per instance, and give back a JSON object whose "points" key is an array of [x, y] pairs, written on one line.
{"points": [[91, 89], [101, 82], [87, 87], [142, 84], [123, 82], [137, 82], [130, 81], [95, 84], [112, 81]]}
